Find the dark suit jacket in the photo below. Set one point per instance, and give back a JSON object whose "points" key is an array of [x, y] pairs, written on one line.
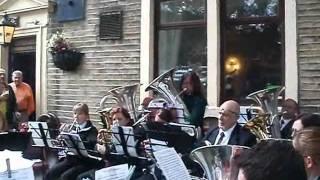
{"points": [[287, 130], [239, 136]]}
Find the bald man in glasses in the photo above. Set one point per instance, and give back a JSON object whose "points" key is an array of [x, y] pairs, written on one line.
{"points": [[229, 132]]}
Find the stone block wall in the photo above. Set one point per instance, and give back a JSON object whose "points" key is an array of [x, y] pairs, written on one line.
{"points": [[106, 64], [308, 29]]}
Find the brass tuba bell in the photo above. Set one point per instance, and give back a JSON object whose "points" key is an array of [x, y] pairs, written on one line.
{"points": [[267, 99], [123, 96], [219, 162], [164, 87]]}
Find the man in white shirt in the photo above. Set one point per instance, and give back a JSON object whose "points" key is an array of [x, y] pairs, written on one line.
{"points": [[228, 130], [290, 111]]}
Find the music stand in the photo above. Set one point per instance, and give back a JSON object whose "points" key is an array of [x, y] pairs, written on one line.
{"points": [[40, 134], [123, 139], [75, 145]]}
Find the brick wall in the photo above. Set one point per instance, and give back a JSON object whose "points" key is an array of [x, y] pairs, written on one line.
{"points": [[106, 64], [308, 29]]}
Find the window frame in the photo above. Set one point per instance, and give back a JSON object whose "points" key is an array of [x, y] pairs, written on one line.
{"points": [[225, 21], [170, 26]]}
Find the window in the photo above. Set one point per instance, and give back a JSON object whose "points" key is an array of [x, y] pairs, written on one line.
{"points": [[181, 37], [252, 47]]}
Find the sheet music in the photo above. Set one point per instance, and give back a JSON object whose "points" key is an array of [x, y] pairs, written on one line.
{"points": [[171, 164], [36, 135], [119, 172], [157, 145], [21, 168], [76, 138], [25, 174], [129, 138], [16, 160]]}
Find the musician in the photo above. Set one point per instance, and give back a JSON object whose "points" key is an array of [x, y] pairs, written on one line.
{"points": [[72, 165], [193, 97], [228, 130], [307, 142], [290, 111], [271, 159], [161, 129], [120, 117], [11, 105], [304, 121]]}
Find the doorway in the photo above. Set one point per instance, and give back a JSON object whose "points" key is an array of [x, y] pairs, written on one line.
{"points": [[23, 58]]}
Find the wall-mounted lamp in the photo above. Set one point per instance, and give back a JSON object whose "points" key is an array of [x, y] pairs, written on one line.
{"points": [[232, 65], [7, 28]]}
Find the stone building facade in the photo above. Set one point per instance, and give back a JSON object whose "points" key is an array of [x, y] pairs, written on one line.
{"points": [[106, 63], [308, 46], [111, 63]]}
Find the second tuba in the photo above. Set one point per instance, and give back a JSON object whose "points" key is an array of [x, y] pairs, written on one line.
{"points": [[267, 99], [164, 87]]}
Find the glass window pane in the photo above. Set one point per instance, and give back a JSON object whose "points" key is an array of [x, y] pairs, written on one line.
{"points": [[185, 49], [251, 8], [252, 59], [182, 10]]}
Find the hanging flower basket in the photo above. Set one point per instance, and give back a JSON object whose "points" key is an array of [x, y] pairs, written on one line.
{"points": [[64, 56], [67, 60]]}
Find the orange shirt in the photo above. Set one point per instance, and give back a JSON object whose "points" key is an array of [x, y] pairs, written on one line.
{"points": [[24, 96]]}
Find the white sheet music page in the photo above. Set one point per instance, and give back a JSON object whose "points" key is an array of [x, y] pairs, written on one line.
{"points": [[129, 138], [171, 164], [76, 138], [119, 172]]}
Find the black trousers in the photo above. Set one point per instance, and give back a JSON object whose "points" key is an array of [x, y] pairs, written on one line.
{"points": [[69, 168]]}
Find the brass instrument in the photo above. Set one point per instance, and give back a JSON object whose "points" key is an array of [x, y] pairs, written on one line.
{"points": [[104, 134], [258, 126], [268, 100], [164, 87], [123, 96], [218, 161]]}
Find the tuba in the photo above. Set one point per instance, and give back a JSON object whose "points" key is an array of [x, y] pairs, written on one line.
{"points": [[267, 99], [124, 96], [164, 87], [219, 162]]}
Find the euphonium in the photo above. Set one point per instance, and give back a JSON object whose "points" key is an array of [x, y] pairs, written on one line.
{"points": [[268, 100], [104, 134], [258, 126]]}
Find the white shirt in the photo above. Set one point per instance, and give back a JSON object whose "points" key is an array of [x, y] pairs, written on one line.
{"points": [[283, 123], [227, 135]]}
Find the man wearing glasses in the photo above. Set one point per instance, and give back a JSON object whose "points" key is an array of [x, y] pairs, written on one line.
{"points": [[229, 132]]}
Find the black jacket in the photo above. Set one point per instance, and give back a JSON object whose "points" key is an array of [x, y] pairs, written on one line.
{"points": [[11, 109], [239, 136], [88, 135], [287, 130]]}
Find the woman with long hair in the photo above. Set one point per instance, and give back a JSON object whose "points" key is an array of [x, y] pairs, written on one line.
{"points": [[193, 97]]}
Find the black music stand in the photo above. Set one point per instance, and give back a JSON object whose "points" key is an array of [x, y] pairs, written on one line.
{"points": [[123, 139], [40, 134], [75, 145]]}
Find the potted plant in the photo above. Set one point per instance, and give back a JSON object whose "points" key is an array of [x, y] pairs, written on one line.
{"points": [[64, 56]]}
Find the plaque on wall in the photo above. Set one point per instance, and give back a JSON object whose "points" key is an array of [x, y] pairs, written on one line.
{"points": [[70, 10]]}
